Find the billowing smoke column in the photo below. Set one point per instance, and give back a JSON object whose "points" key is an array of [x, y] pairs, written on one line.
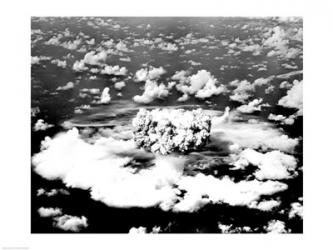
{"points": [[171, 130]]}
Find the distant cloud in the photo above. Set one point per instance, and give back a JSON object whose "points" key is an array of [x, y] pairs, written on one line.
{"points": [[114, 70], [90, 58], [79, 66], [93, 91], [38, 59], [72, 45], [119, 85], [277, 38], [55, 40], [94, 58], [121, 46], [68, 86], [150, 73], [52, 192], [59, 63], [170, 47]]}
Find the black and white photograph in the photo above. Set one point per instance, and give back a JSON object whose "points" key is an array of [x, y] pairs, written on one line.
{"points": [[166, 125]]}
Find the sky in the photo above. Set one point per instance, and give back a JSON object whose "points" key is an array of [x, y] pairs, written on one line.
{"points": [[91, 76]]}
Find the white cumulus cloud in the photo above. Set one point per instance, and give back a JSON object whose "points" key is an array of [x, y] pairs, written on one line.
{"points": [[42, 125], [273, 165], [49, 212], [71, 223], [202, 85], [294, 97], [252, 106], [152, 90], [150, 73]]}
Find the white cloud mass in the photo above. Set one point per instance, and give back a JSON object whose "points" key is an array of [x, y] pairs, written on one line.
{"points": [[102, 165]]}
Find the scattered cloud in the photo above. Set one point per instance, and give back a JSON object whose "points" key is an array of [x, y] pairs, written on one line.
{"points": [[296, 210], [59, 63], [273, 165], [105, 96], [252, 106], [93, 58], [202, 85], [68, 86], [294, 97], [243, 91], [265, 205], [42, 125], [150, 73], [49, 212], [119, 85], [152, 90], [282, 119], [227, 229], [276, 227], [71, 223], [52, 192], [144, 230], [114, 70]]}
